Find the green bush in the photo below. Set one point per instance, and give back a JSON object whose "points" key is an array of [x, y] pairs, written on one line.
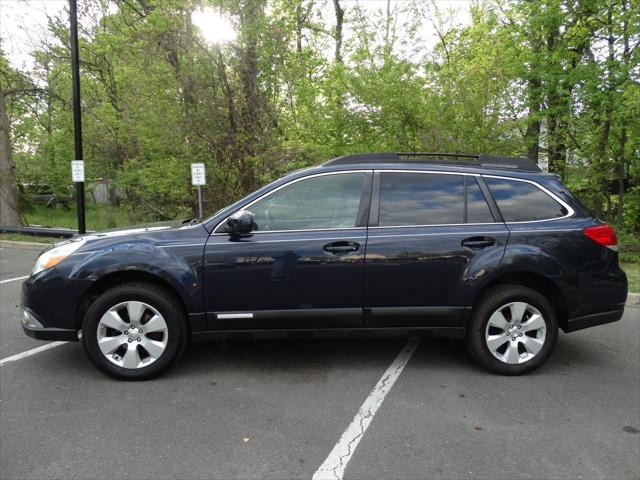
{"points": [[157, 189], [629, 247]]}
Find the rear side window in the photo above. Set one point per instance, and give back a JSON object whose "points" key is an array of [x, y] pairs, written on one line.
{"points": [[522, 201], [477, 208], [420, 199]]}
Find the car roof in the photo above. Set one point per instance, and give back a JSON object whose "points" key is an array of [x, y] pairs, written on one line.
{"points": [[470, 164], [386, 161]]}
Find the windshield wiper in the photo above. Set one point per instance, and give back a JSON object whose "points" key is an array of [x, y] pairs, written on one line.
{"points": [[192, 221]]}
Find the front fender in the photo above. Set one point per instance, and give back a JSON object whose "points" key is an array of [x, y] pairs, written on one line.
{"points": [[180, 271]]}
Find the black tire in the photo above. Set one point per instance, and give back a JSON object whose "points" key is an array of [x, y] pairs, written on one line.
{"points": [[492, 300], [164, 301]]}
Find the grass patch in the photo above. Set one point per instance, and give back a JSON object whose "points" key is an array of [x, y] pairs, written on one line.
{"points": [[98, 217], [21, 237], [629, 254], [633, 276]]}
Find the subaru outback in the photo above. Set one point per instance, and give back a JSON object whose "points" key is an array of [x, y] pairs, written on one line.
{"points": [[488, 250]]}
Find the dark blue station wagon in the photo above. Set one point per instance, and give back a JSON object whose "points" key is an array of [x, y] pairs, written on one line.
{"points": [[488, 250]]}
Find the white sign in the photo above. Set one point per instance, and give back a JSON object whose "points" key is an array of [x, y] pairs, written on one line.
{"points": [[197, 174], [77, 170]]}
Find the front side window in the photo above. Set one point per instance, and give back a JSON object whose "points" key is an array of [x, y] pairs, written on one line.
{"points": [[523, 201], [322, 202], [420, 199]]}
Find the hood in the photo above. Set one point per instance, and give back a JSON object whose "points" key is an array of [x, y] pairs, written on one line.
{"points": [[148, 226], [139, 229]]}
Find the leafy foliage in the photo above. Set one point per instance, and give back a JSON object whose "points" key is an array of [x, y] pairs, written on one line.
{"points": [[552, 79]]}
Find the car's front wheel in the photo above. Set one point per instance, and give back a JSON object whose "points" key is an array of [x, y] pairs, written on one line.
{"points": [[135, 331], [513, 330]]}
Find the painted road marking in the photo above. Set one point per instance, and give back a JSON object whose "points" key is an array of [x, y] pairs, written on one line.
{"points": [[13, 279], [335, 464], [28, 353]]}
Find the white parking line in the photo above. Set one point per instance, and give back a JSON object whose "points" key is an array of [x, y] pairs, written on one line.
{"points": [[28, 353], [335, 464], [13, 279]]}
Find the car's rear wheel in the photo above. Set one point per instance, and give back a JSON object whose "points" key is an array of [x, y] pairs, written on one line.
{"points": [[513, 330], [135, 331]]}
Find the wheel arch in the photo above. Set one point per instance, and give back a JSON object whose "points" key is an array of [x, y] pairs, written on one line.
{"points": [[535, 281], [119, 277]]}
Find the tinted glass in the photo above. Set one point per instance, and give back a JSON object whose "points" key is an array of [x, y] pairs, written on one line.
{"points": [[327, 201], [477, 207], [522, 201], [421, 199]]}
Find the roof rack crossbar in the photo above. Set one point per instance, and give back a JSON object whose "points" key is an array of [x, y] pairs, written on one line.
{"points": [[436, 154], [465, 159]]}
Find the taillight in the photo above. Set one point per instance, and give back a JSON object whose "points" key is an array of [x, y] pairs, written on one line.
{"points": [[602, 234]]}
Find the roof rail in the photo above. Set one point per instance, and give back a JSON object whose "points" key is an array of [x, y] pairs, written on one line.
{"points": [[459, 159]]}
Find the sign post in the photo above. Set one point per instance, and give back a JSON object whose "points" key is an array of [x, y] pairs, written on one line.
{"points": [[77, 176], [198, 178], [77, 122]]}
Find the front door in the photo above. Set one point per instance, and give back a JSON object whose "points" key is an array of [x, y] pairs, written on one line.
{"points": [[302, 267], [432, 236]]}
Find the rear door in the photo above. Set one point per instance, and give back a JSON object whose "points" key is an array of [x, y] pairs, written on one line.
{"points": [[432, 236]]}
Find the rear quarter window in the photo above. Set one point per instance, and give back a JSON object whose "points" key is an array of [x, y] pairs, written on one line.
{"points": [[522, 201], [477, 208]]}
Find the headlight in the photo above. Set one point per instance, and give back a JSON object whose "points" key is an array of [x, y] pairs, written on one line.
{"points": [[51, 258]]}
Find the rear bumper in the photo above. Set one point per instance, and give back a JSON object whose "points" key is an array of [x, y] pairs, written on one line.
{"points": [[597, 298], [594, 319]]}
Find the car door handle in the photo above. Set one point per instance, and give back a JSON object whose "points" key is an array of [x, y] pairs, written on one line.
{"points": [[341, 247], [478, 242]]}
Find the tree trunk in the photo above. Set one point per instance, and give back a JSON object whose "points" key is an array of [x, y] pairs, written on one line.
{"points": [[620, 172], [556, 141], [557, 99], [299, 22], [9, 210], [228, 92], [252, 95], [188, 82], [534, 99], [532, 135], [338, 31], [387, 32], [622, 160], [605, 127], [253, 113]]}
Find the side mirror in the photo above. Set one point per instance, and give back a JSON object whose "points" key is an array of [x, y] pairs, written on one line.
{"points": [[241, 223]]}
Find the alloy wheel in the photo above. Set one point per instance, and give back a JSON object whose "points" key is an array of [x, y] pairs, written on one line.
{"points": [[515, 333], [132, 334]]}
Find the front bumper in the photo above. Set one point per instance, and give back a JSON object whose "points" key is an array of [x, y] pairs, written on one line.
{"points": [[34, 328], [49, 305]]}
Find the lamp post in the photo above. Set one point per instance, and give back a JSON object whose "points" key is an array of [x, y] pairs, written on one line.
{"points": [[77, 121]]}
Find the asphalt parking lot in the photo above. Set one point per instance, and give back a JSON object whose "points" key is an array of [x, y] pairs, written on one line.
{"points": [[276, 409]]}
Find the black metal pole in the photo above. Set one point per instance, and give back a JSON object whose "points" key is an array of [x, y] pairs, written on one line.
{"points": [[77, 121]]}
